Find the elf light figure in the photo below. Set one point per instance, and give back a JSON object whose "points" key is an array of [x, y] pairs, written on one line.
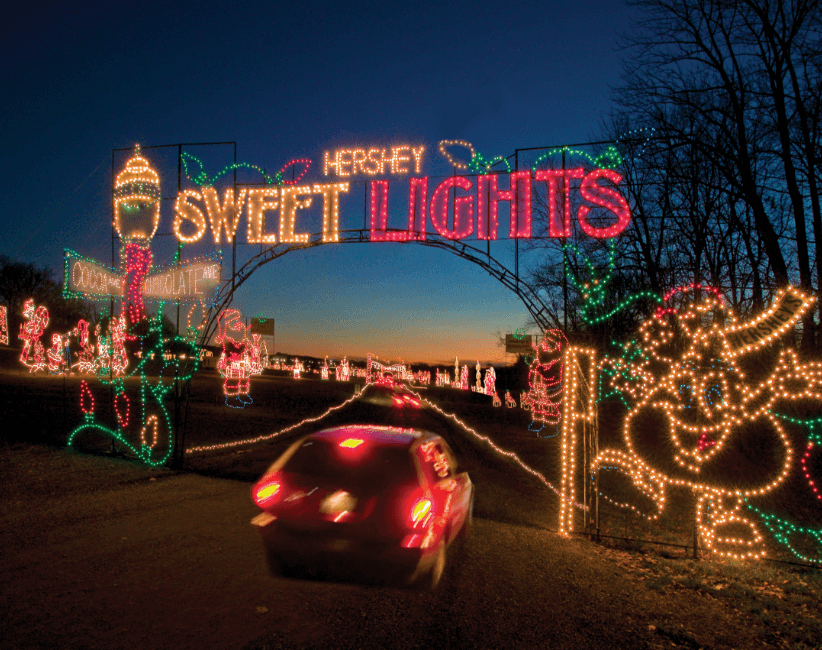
{"points": [[256, 355], [235, 362], [85, 358], [497, 401], [55, 354], [33, 353], [696, 421], [119, 357], [464, 378], [136, 218]]}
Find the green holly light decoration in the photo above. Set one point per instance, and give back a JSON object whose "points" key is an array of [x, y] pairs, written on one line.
{"points": [[175, 358]]}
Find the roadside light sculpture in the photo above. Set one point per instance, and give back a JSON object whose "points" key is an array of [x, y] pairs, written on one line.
{"points": [[37, 319], [235, 361], [693, 409], [136, 218], [545, 380]]}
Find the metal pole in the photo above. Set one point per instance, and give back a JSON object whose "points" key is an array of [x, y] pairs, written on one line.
{"points": [[178, 439], [564, 273], [111, 304], [515, 210], [234, 237]]}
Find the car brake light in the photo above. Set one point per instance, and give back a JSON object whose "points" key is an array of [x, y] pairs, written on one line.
{"points": [[398, 401], [351, 443], [267, 491], [420, 512]]}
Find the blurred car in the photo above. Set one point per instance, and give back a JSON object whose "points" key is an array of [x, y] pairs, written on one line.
{"points": [[363, 501]]}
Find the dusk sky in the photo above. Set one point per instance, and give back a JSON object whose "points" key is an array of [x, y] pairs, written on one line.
{"points": [[292, 80]]}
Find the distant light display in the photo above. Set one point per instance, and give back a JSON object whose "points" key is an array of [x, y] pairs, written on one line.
{"points": [[4, 325]]}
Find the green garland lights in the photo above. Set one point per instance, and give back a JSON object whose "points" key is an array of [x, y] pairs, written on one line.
{"points": [[593, 291], [204, 180], [608, 159], [782, 530]]}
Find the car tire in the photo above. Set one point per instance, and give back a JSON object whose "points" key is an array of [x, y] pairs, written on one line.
{"points": [[432, 578]]}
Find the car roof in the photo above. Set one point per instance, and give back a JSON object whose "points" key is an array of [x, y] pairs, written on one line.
{"points": [[380, 434]]}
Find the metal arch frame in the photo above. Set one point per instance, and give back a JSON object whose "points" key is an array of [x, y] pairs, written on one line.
{"points": [[533, 303]]}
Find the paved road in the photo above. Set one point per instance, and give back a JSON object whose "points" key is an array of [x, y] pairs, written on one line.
{"points": [[174, 563], [167, 560]]}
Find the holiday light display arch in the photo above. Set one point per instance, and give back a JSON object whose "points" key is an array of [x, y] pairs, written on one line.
{"points": [[457, 212], [136, 216]]}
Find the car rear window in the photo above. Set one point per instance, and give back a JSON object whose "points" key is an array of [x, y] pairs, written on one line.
{"points": [[372, 464]]}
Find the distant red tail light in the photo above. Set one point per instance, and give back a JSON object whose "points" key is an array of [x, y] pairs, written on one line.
{"points": [[267, 491]]}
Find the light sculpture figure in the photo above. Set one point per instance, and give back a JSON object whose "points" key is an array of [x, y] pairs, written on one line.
{"points": [[136, 218], [56, 355], [235, 361], [510, 402], [324, 371], [4, 325], [149, 437], [37, 319], [544, 397], [119, 357], [85, 357], [490, 381], [690, 397], [103, 361]]}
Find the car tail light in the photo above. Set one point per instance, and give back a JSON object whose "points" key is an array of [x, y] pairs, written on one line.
{"points": [[267, 491], [420, 512]]}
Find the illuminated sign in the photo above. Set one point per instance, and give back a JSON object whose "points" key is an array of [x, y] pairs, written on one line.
{"points": [[373, 162], [518, 344], [473, 204], [393, 184], [191, 281], [89, 278]]}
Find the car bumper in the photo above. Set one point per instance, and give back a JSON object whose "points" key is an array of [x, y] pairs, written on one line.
{"points": [[335, 554]]}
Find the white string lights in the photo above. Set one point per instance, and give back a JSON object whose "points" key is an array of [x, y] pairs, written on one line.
{"points": [[137, 200], [703, 402], [331, 208], [225, 217], [293, 199], [578, 408], [374, 161]]}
